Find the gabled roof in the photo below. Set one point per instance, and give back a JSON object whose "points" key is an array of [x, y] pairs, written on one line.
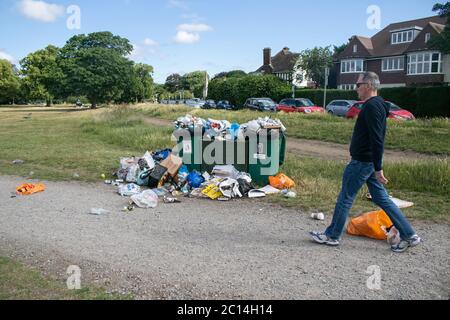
{"points": [[380, 44], [283, 61]]}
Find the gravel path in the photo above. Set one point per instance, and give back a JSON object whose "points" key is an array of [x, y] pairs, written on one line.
{"points": [[200, 249]]}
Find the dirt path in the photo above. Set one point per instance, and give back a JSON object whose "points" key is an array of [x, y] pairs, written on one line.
{"points": [[321, 149], [201, 249]]}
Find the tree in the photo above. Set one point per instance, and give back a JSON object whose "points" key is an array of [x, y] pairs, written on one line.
{"points": [[230, 74], [96, 66], [194, 82], [141, 85], [314, 61], [339, 49], [173, 82], [9, 82], [42, 74], [441, 41]]}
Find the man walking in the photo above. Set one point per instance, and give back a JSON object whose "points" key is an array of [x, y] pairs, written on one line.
{"points": [[367, 150]]}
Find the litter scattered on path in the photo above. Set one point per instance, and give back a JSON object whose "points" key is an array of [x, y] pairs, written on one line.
{"points": [[28, 189], [98, 212]]}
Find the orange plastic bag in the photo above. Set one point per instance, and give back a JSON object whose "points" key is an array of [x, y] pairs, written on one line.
{"points": [[281, 182], [27, 189], [371, 224]]}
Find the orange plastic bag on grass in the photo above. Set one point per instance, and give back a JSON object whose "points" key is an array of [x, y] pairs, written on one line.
{"points": [[372, 224], [281, 182], [27, 189]]}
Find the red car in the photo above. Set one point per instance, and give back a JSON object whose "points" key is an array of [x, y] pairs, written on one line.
{"points": [[298, 105], [395, 113]]}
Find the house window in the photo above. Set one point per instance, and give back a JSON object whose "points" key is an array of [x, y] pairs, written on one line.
{"points": [[402, 37], [393, 64], [427, 37], [355, 48], [424, 63], [347, 86], [352, 66]]}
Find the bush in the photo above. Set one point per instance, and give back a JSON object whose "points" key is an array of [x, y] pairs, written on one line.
{"points": [[433, 102]]}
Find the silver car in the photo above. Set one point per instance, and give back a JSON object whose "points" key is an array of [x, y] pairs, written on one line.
{"points": [[339, 107]]}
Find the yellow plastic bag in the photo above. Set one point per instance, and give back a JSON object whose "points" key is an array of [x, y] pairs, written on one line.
{"points": [[212, 191], [281, 182], [372, 225]]}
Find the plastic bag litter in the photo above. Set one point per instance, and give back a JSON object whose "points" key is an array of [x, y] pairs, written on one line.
{"points": [[133, 172], [145, 200], [127, 190], [281, 182], [195, 179], [393, 236], [149, 159], [126, 163], [27, 189], [230, 188], [372, 225], [227, 171]]}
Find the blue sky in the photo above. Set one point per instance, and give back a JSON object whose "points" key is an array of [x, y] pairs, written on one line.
{"points": [[187, 35]]}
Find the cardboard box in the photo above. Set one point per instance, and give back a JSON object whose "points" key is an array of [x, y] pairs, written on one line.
{"points": [[173, 164]]}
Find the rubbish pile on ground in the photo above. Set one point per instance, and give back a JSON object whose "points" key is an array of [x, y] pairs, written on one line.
{"points": [[162, 176]]}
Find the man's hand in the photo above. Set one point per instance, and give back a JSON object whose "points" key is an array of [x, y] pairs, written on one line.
{"points": [[381, 178]]}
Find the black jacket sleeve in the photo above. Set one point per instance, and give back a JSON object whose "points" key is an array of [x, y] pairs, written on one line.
{"points": [[376, 125]]}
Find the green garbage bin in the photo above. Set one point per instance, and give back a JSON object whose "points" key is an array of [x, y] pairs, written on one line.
{"points": [[261, 156], [267, 154]]}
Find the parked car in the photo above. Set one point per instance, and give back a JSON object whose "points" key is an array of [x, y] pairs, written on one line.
{"points": [[209, 104], [339, 107], [299, 105], [225, 105], [395, 112], [195, 103], [261, 104]]}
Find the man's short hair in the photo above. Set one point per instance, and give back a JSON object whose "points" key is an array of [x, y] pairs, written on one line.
{"points": [[372, 79]]}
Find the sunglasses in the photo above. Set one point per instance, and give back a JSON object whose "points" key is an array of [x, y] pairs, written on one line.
{"points": [[358, 85]]}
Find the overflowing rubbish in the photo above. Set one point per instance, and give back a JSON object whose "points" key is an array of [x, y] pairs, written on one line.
{"points": [[162, 176], [372, 224], [28, 189], [393, 236], [223, 129]]}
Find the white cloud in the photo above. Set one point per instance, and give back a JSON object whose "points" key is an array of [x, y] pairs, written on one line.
{"points": [[41, 10], [150, 42], [186, 37], [5, 56], [190, 33], [194, 27]]}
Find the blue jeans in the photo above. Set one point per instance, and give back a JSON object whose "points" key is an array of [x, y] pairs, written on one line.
{"points": [[356, 174]]}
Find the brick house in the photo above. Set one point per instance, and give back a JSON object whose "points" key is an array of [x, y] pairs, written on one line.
{"points": [[398, 54], [281, 65]]}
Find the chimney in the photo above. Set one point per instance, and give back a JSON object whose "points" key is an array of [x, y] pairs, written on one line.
{"points": [[267, 56]]}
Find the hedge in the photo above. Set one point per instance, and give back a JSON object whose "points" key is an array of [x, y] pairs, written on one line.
{"points": [[421, 101]]}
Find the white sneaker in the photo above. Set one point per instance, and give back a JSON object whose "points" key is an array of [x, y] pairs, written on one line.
{"points": [[322, 238], [405, 244]]}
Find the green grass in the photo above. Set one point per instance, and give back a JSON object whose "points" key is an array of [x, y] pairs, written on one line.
{"points": [[57, 145], [431, 136], [18, 282]]}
